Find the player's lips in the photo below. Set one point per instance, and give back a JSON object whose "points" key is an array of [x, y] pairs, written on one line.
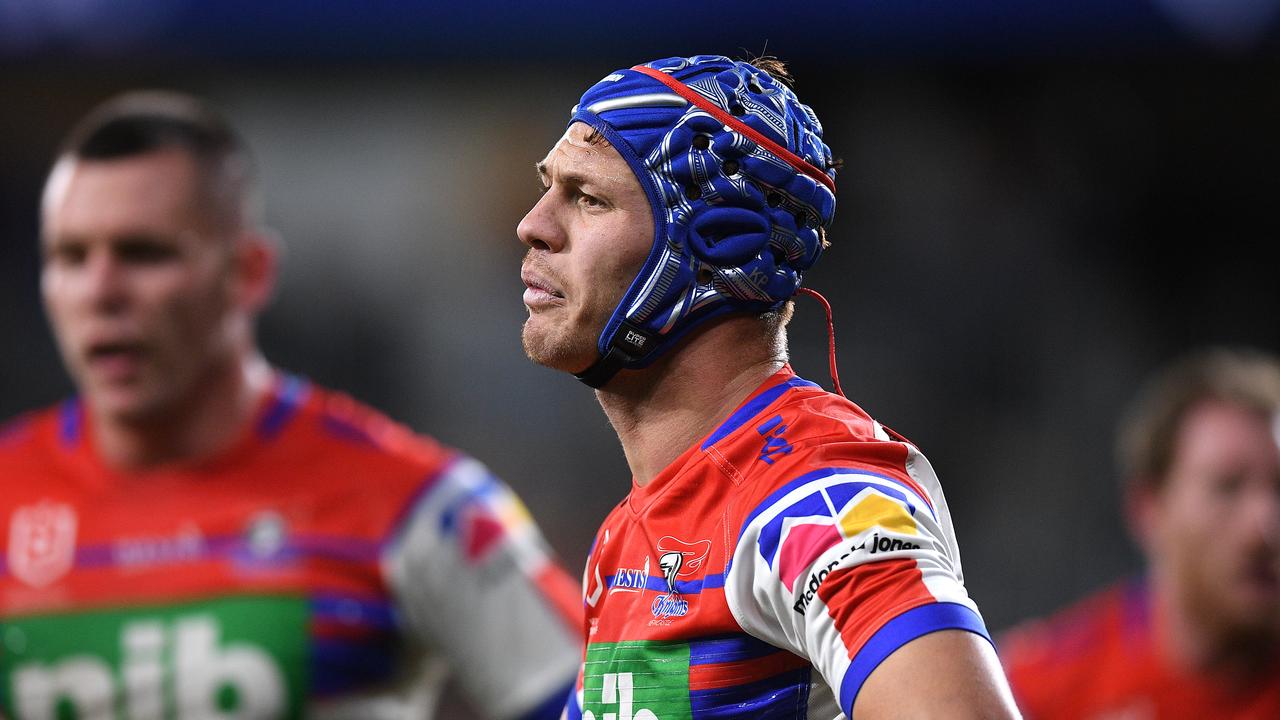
{"points": [[539, 291], [115, 360]]}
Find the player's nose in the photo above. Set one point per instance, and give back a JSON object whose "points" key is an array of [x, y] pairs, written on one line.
{"points": [[540, 228], [103, 283]]}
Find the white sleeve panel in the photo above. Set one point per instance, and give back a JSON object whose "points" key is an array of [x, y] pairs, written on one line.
{"points": [[465, 572], [832, 558]]}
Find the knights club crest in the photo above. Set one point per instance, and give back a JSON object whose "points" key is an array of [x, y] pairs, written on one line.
{"points": [[42, 542], [680, 559]]}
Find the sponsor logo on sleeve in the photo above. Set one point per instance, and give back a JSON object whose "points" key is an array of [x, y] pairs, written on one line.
{"points": [[808, 525], [875, 545]]}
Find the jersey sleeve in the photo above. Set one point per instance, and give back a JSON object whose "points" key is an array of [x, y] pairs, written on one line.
{"points": [[474, 582], [843, 566]]}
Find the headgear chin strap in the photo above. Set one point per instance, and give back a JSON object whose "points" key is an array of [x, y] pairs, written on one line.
{"points": [[739, 182]]}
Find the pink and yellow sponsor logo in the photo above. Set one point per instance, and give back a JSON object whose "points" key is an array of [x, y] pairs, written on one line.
{"points": [[804, 539]]}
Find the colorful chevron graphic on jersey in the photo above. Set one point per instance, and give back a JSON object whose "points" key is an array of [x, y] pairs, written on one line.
{"points": [[807, 524], [483, 516]]}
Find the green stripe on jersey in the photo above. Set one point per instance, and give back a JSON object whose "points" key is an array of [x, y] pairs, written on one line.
{"points": [[636, 680], [229, 657]]}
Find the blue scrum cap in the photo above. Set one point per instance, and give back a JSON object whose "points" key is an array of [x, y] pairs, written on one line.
{"points": [[739, 181]]}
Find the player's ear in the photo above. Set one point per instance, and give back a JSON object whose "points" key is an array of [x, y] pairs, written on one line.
{"points": [[255, 260]]}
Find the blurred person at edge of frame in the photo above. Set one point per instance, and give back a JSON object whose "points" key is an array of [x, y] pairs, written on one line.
{"points": [[199, 534], [1198, 635], [780, 554]]}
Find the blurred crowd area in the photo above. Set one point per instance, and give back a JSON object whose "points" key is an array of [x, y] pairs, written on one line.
{"points": [[1031, 217]]}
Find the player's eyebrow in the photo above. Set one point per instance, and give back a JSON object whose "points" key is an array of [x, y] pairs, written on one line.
{"points": [[566, 177]]}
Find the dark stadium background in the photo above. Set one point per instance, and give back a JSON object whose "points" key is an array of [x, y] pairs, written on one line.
{"points": [[1041, 201]]}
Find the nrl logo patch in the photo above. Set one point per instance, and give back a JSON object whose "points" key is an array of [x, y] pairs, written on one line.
{"points": [[42, 542]]}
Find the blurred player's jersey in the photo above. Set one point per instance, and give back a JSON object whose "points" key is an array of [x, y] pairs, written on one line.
{"points": [[330, 564], [798, 536], [1099, 660]]}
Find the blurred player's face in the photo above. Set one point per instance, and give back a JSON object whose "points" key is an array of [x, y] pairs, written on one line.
{"points": [[137, 283], [1214, 529], [588, 236]]}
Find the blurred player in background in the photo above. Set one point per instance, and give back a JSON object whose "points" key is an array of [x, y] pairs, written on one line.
{"points": [[780, 553], [1198, 636], [201, 535]]}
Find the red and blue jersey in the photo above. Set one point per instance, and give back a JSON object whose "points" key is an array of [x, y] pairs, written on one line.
{"points": [[1101, 659], [769, 569], [330, 564]]}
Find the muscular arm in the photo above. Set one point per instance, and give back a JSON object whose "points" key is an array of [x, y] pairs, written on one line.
{"points": [[950, 673]]}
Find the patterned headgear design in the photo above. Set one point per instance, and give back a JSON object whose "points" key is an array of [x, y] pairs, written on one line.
{"points": [[739, 181]]}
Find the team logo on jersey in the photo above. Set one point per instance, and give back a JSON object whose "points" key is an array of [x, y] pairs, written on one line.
{"points": [[266, 534], [801, 531], [680, 559], [42, 542], [669, 605]]}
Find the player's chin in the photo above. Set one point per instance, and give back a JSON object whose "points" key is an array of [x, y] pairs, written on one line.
{"points": [[550, 348]]}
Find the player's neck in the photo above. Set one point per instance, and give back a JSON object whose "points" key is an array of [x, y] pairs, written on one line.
{"points": [[660, 411], [204, 425]]}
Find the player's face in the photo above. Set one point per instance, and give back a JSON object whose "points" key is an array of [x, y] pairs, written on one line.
{"points": [[1217, 520], [135, 281], [588, 236]]}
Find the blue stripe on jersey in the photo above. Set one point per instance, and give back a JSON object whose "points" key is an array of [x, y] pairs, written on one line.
{"points": [[486, 487], [411, 508], [340, 666], [346, 431], [293, 392], [727, 649], [683, 587], [753, 408], [808, 477], [782, 697], [70, 418], [771, 534], [234, 548], [572, 709], [898, 632], [349, 610]]}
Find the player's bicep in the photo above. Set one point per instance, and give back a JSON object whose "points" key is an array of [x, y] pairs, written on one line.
{"points": [[950, 673]]}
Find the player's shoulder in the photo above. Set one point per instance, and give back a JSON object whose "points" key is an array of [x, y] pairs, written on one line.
{"points": [[335, 427], [812, 434], [1082, 632]]}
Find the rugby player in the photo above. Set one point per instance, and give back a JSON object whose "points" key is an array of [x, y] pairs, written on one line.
{"points": [[1198, 635], [780, 553], [201, 535]]}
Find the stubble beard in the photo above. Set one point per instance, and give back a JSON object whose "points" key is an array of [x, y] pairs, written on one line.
{"points": [[552, 345]]}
